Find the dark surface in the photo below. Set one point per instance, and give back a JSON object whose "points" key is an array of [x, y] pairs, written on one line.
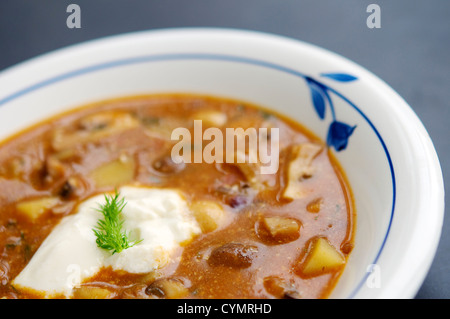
{"points": [[411, 50]]}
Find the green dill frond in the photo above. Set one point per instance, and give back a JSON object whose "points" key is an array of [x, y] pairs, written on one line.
{"points": [[109, 232]]}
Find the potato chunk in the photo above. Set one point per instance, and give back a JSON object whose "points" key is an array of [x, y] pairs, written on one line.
{"points": [[321, 258], [300, 168], [90, 292], [208, 214], [115, 173], [36, 207]]}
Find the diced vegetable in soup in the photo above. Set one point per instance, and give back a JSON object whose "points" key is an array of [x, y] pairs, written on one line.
{"points": [[110, 193]]}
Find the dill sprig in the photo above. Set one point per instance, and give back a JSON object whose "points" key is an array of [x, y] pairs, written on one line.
{"points": [[110, 235]]}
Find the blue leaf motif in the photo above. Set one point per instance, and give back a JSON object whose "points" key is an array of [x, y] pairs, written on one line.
{"points": [[318, 96], [341, 77], [338, 135]]}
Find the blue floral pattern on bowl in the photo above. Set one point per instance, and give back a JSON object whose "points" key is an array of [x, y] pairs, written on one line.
{"points": [[338, 131], [338, 134]]}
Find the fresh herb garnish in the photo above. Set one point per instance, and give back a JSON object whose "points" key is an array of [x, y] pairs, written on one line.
{"points": [[110, 235]]}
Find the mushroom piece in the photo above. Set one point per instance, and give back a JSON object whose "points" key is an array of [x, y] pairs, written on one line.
{"points": [[169, 288], [249, 159], [233, 255], [315, 205], [166, 166], [279, 288], [92, 128], [300, 168], [278, 229]]}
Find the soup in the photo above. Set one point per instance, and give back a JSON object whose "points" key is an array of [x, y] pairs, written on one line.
{"points": [[203, 220]]}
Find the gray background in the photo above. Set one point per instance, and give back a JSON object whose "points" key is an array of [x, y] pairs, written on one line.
{"points": [[411, 50]]}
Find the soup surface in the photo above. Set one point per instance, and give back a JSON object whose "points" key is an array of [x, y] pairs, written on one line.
{"points": [[285, 233]]}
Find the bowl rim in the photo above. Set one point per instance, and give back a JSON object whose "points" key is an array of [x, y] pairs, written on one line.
{"points": [[434, 169]]}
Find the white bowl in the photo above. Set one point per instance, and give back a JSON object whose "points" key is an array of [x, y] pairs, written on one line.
{"points": [[389, 158]]}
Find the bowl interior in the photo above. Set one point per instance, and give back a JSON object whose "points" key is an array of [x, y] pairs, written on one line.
{"points": [[274, 73]]}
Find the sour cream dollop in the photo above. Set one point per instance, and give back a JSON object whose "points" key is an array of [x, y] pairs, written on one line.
{"points": [[158, 217]]}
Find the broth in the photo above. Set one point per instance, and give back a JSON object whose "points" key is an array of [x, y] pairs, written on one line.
{"points": [[265, 240]]}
